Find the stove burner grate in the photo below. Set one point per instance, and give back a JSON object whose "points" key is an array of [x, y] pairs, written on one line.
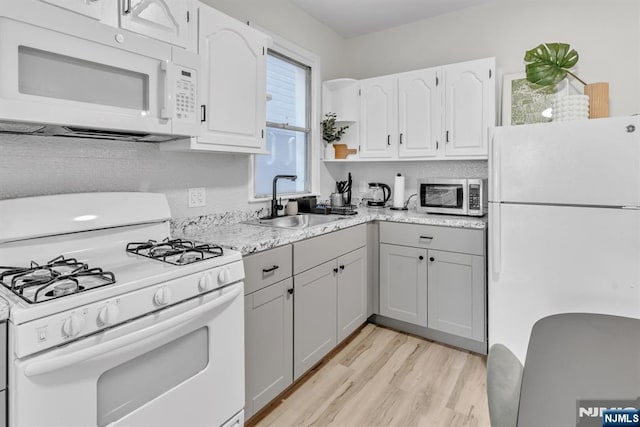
{"points": [[57, 278], [175, 251]]}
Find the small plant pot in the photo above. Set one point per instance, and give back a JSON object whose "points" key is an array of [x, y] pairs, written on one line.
{"points": [[342, 151]]}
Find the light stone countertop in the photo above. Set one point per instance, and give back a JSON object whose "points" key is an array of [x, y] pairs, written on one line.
{"points": [[249, 239]]}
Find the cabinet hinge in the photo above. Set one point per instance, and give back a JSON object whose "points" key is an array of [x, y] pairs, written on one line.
{"points": [[188, 17]]}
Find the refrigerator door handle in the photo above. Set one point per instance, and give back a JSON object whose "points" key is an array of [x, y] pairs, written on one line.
{"points": [[495, 166], [495, 240]]}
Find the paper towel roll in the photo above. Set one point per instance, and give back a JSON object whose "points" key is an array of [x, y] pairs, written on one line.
{"points": [[398, 192]]}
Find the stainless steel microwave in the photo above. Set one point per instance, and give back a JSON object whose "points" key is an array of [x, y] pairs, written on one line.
{"points": [[452, 196]]}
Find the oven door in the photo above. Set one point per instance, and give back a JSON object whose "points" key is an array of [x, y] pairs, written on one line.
{"points": [[182, 366]]}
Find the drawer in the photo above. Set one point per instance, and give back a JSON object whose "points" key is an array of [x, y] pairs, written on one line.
{"points": [[317, 250], [452, 239], [266, 268]]}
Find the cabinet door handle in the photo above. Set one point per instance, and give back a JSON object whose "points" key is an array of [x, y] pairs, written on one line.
{"points": [[401, 139], [290, 291], [426, 237], [432, 259], [420, 257], [203, 113], [126, 7], [388, 139], [269, 270], [342, 267], [335, 270], [447, 137]]}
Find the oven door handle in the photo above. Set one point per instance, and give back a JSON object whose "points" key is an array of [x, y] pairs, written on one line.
{"points": [[48, 365]]}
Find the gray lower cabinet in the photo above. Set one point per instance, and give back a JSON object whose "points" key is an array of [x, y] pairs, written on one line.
{"points": [[434, 277], [330, 304], [456, 294], [268, 326], [351, 292], [268, 344], [314, 316], [403, 283]]}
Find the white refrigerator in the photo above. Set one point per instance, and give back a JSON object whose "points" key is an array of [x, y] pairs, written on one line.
{"points": [[564, 224]]}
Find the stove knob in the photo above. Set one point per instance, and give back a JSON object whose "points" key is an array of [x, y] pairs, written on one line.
{"points": [[223, 276], [72, 325], [204, 284], [162, 296], [109, 314]]}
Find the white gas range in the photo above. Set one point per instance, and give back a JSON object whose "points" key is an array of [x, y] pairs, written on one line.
{"points": [[111, 322]]}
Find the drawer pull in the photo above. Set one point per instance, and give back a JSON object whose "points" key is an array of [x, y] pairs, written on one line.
{"points": [[269, 270], [290, 291], [420, 257], [335, 270], [426, 237], [432, 259]]}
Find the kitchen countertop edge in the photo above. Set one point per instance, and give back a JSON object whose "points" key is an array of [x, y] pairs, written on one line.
{"points": [[249, 239]]}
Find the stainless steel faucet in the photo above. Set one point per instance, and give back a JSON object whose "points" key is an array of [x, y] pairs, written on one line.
{"points": [[274, 202]]}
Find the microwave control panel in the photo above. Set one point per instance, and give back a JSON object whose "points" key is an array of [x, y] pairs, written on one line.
{"points": [[185, 96], [475, 198]]}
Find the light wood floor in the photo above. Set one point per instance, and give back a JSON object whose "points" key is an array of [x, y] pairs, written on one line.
{"points": [[387, 378]]}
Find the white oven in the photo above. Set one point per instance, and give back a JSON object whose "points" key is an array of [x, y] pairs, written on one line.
{"points": [[91, 79], [114, 323]]}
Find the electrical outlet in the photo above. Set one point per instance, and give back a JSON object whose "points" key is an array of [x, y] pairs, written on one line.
{"points": [[197, 197]]}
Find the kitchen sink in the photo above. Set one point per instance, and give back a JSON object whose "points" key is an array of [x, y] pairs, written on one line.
{"points": [[295, 221]]}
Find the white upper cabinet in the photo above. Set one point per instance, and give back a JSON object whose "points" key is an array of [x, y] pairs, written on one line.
{"points": [[419, 103], [233, 84], [433, 113], [378, 116], [90, 8], [171, 21], [470, 107]]}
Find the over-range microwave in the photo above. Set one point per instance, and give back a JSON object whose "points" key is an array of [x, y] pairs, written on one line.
{"points": [[66, 74], [452, 196]]}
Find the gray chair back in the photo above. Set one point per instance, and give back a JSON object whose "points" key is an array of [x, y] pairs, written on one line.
{"points": [[504, 376]]}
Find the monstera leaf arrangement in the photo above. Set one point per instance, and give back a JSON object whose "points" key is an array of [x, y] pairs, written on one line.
{"points": [[550, 63], [330, 133]]}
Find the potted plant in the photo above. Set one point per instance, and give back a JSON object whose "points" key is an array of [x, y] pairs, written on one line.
{"points": [[549, 63], [332, 134]]}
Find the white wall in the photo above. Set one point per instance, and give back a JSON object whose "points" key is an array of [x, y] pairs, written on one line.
{"points": [[606, 34]]}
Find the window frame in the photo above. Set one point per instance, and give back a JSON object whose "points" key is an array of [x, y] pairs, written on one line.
{"points": [[283, 47]]}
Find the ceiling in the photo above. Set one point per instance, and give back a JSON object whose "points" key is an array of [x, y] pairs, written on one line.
{"points": [[351, 18]]}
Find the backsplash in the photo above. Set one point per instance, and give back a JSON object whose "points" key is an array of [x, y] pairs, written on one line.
{"points": [[385, 172], [33, 166]]}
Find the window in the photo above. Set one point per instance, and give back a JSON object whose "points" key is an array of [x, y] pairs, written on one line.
{"points": [[288, 133]]}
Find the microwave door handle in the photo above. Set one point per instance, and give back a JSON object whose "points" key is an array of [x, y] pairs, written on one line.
{"points": [[130, 341], [167, 110]]}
